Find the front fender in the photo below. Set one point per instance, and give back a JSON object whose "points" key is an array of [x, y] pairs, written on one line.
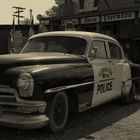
{"points": [[55, 75]]}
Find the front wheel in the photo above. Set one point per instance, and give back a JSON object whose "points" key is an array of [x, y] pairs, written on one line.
{"points": [[59, 112]]}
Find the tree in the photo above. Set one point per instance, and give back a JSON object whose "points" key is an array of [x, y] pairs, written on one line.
{"points": [[67, 8], [26, 21], [62, 8], [58, 2], [53, 12]]}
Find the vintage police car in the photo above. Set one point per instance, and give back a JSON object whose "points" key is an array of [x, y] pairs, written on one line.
{"points": [[60, 72]]}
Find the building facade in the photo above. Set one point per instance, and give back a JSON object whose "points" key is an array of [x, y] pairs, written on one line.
{"points": [[16, 39], [117, 18]]}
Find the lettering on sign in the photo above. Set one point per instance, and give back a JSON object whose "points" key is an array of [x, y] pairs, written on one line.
{"points": [[74, 21], [87, 20], [104, 87], [117, 17], [46, 22]]}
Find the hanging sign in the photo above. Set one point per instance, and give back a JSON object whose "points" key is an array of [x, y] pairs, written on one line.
{"points": [[45, 22], [74, 21], [87, 20], [118, 17]]}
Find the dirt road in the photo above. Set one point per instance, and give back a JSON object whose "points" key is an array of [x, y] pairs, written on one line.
{"points": [[112, 121]]}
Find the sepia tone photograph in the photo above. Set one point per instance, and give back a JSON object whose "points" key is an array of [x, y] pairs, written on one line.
{"points": [[70, 70]]}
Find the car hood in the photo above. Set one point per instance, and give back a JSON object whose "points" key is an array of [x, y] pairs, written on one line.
{"points": [[23, 62], [39, 58]]}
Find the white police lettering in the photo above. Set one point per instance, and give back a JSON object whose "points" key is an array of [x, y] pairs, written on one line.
{"points": [[104, 87]]}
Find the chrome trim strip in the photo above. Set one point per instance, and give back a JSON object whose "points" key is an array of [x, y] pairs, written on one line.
{"points": [[131, 79], [7, 89], [20, 102], [135, 78], [66, 87]]}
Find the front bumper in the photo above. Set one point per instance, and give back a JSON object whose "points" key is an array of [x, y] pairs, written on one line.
{"points": [[23, 121], [18, 113]]}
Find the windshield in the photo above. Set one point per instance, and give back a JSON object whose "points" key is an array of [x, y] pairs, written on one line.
{"points": [[61, 44]]}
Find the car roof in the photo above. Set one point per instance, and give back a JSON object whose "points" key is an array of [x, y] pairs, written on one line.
{"points": [[81, 34]]}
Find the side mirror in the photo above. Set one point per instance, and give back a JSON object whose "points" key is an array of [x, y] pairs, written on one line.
{"points": [[93, 52]]}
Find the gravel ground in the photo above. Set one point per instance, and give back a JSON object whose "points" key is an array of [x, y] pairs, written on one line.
{"points": [[111, 121]]}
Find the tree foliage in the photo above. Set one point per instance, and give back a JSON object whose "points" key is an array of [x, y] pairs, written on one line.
{"points": [[53, 12], [26, 21], [64, 8], [58, 2]]}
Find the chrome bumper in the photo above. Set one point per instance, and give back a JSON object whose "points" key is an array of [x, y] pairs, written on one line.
{"points": [[23, 121], [18, 113]]}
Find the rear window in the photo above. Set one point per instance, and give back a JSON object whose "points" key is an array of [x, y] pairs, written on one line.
{"points": [[115, 51]]}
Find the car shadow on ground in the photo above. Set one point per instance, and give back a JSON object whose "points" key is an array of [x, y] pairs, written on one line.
{"points": [[79, 125]]}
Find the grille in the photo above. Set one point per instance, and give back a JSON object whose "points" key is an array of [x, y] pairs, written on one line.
{"points": [[7, 97]]}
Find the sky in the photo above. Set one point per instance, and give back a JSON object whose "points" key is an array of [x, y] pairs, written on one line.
{"points": [[38, 7]]}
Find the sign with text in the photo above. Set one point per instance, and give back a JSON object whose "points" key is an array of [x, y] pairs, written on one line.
{"points": [[65, 21], [118, 17], [87, 20], [45, 22]]}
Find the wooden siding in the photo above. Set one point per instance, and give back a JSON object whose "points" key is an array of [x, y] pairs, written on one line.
{"points": [[113, 5], [116, 4]]}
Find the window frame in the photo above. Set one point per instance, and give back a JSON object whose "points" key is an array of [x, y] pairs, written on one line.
{"points": [[118, 46], [93, 46]]}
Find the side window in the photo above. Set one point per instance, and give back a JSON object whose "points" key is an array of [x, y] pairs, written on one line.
{"points": [[115, 51], [101, 48]]}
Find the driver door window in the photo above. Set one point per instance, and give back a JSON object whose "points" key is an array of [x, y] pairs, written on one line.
{"points": [[101, 49]]}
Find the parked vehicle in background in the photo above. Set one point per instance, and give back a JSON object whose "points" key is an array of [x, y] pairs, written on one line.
{"points": [[60, 72]]}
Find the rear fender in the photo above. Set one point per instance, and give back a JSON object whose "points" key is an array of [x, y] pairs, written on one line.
{"points": [[126, 79]]}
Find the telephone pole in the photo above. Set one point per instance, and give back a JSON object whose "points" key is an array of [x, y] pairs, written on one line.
{"points": [[18, 11]]}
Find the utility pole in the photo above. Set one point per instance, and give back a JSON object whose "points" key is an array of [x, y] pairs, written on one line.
{"points": [[31, 16], [18, 11]]}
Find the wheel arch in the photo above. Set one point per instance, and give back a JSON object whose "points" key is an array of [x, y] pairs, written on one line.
{"points": [[71, 95]]}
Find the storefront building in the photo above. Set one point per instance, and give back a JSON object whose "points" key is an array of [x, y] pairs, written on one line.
{"points": [[119, 19]]}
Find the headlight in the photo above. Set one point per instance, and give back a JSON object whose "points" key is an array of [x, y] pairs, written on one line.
{"points": [[25, 84]]}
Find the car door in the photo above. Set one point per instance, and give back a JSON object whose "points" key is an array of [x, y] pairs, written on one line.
{"points": [[103, 73], [117, 59]]}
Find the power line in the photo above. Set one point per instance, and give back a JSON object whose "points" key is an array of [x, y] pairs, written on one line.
{"points": [[17, 13]]}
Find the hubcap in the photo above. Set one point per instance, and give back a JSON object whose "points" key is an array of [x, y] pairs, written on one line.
{"points": [[59, 112]]}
